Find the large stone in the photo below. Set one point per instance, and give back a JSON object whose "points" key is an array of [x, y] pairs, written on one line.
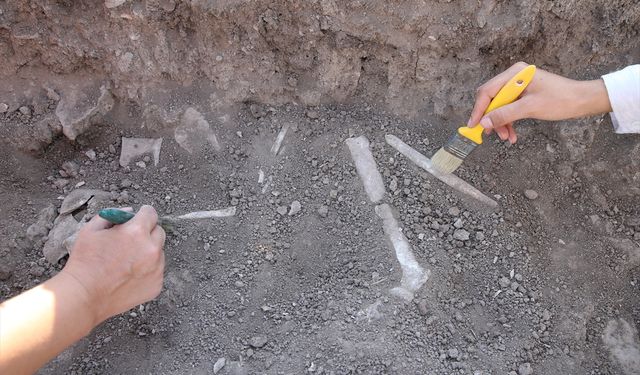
{"points": [[81, 107], [195, 132], [43, 224], [54, 249], [133, 148]]}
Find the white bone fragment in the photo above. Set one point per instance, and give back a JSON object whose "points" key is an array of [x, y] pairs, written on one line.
{"points": [[425, 163], [278, 142], [366, 167], [413, 275], [225, 212]]}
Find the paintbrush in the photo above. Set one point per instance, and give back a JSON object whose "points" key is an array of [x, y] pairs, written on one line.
{"points": [[168, 223], [466, 139]]}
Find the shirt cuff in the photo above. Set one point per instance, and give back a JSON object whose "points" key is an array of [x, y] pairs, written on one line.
{"points": [[623, 88]]}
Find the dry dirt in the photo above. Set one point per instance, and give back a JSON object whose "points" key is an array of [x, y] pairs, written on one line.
{"points": [[542, 286]]}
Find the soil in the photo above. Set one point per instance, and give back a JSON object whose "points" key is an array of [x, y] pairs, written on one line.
{"points": [[545, 284]]}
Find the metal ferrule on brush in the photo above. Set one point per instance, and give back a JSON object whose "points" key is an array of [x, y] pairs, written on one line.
{"points": [[460, 146]]}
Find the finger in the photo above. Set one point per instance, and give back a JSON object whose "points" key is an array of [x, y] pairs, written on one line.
{"points": [[489, 90], [158, 236], [146, 217], [488, 131], [97, 223], [503, 133], [506, 114], [513, 137]]}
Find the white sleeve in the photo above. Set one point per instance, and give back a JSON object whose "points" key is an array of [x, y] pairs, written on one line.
{"points": [[623, 88]]}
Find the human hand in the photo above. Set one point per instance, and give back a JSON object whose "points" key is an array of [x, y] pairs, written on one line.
{"points": [[547, 97], [119, 266]]}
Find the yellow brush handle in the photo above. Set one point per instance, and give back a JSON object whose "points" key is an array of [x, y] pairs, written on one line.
{"points": [[507, 94]]}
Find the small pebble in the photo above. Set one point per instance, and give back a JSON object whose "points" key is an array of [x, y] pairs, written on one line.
{"points": [[531, 194], [295, 208], [25, 110], [3, 107]]}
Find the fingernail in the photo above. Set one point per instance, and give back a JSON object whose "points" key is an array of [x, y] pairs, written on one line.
{"points": [[469, 123], [486, 123]]}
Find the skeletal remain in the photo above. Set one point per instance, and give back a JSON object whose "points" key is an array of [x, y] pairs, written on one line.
{"points": [[366, 167], [449, 179], [278, 142], [413, 275]]}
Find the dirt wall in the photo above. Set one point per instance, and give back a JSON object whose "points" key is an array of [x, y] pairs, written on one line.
{"points": [[409, 55]]}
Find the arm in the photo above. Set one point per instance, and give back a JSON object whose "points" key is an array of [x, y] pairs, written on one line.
{"points": [[110, 270], [548, 97]]}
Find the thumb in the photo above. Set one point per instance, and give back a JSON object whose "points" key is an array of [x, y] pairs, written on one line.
{"points": [[504, 115]]}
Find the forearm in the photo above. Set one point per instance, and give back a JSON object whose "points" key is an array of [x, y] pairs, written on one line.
{"points": [[591, 98], [39, 324]]}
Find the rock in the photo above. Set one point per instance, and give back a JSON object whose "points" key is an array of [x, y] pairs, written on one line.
{"points": [[43, 224], [133, 148], [113, 3], [194, 132], [504, 282], [479, 236], [282, 210], [36, 271], [258, 341], [6, 271], [4, 107], [219, 365], [79, 197], [295, 208], [64, 227], [81, 107], [453, 353], [460, 235], [71, 168], [323, 211], [60, 183], [257, 111], [91, 154], [25, 110], [313, 114], [454, 211], [525, 369], [126, 183], [531, 194]]}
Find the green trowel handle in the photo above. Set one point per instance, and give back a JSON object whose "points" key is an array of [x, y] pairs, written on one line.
{"points": [[115, 216]]}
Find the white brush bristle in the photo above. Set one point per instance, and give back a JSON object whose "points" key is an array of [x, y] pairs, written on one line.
{"points": [[445, 161]]}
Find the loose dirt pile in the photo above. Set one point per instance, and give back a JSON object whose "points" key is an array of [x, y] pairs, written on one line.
{"points": [[253, 102]]}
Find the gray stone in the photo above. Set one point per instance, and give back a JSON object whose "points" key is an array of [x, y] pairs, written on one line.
{"points": [[4, 107], [454, 211], [323, 211], [194, 132], [25, 110], [134, 148], [258, 341], [91, 154], [81, 107], [64, 227], [219, 365], [71, 168], [113, 3], [504, 282], [43, 224], [531, 194], [282, 210], [460, 235], [453, 353], [79, 197], [525, 369], [295, 208]]}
